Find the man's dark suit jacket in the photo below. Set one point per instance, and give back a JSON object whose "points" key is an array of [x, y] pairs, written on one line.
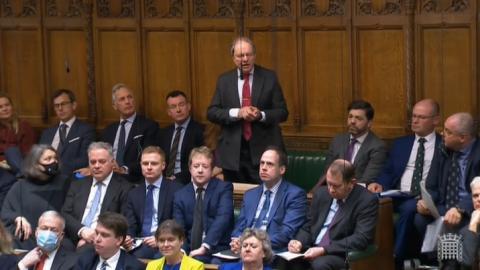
{"points": [[436, 182], [193, 138], [73, 154], [89, 260], [217, 213], [354, 228], [136, 204], [397, 161], [141, 135], [369, 160], [471, 246], [267, 96], [64, 260], [76, 201]]}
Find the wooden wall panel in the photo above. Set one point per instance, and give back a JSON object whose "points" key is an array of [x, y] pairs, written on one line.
{"points": [[381, 78], [117, 61], [167, 68], [67, 66]]}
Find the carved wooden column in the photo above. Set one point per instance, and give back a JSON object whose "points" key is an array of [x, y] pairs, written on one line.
{"points": [[88, 28], [410, 55], [239, 10]]}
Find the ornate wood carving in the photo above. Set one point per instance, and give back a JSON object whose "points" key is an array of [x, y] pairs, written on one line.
{"points": [[225, 9], [103, 8], [127, 9], [74, 9], [256, 9], [335, 8], [88, 28], [282, 8], [435, 6], [365, 7], [7, 10], [200, 8], [175, 9]]}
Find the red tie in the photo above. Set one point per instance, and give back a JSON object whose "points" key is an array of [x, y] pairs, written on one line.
{"points": [[246, 101], [41, 263]]}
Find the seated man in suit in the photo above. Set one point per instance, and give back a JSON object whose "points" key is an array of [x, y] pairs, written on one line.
{"points": [[359, 145], [111, 231], [71, 137], [451, 173], [204, 208], [179, 138], [470, 233], [276, 206], [90, 196], [149, 204], [129, 135], [409, 163], [49, 253], [342, 218]]}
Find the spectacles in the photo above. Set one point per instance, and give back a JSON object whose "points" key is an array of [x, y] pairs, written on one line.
{"points": [[60, 105]]}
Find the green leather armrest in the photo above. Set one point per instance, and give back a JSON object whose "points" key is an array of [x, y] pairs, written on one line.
{"points": [[358, 255]]}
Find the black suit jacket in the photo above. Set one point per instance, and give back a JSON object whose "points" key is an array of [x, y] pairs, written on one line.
{"points": [[89, 260], [64, 260], [193, 138], [136, 204], [141, 135], [114, 201], [73, 154], [267, 96], [353, 229], [471, 246]]}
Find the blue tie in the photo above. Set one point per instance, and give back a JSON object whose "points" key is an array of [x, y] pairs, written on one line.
{"points": [[96, 202], [148, 212], [264, 211]]}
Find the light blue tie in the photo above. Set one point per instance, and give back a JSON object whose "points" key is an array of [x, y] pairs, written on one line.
{"points": [[96, 202]]}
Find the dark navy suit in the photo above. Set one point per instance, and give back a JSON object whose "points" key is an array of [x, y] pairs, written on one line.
{"points": [[217, 216], [286, 216], [141, 135], [73, 154], [390, 179], [89, 260]]}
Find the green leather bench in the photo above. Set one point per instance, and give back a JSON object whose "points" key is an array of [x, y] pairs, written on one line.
{"points": [[305, 168]]}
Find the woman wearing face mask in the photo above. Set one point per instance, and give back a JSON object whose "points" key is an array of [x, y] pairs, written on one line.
{"points": [[255, 251], [42, 188], [16, 139]]}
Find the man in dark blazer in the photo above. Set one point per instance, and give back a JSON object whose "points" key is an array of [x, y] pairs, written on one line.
{"points": [[204, 208], [52, 257], [471, 238], [249, 119], [451, 174], [71, 136], [359, 145], [410, 156], [138, 132], [88, 197], [140, 226], [190, 135], [287, 204], [111, 231], [342, 218]]}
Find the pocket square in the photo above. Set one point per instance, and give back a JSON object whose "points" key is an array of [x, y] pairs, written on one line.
{"points": [[138, 136], [74, 139]]}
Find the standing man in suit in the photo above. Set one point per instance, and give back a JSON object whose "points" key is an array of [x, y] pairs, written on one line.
{"points": [[204, 208], [129, 135], [359, 145], [88, 197], [149, 204], [71, 137], [111, 231], [470, 233], [450, 175], [409, 163], [249, 106], [180, 138], [276, 206], [342, 218], [49, 253]]}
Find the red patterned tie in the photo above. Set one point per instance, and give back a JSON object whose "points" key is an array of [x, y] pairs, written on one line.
{"points": [[41, 263], [246, 101]]}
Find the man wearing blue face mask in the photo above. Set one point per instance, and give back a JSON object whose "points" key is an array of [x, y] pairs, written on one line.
{"points": [[49, 253]]}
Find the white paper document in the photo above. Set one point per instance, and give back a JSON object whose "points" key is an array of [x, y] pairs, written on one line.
{"points": [[394, 193], [431, 235], [227, 255], [427, 199], [287, 255]]}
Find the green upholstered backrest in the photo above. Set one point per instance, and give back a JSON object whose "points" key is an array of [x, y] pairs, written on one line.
{"points": [[305, 168]]}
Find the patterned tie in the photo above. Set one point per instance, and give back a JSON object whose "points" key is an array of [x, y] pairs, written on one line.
{"points": [[174, 152], [104, 265], [41, 263], [351, 147], [246, 101], [263, 213], [121, 144], [95, 203], [62, 134], [418, 171], [326, 237], [453, 181], [148, 212], [197, 226]]}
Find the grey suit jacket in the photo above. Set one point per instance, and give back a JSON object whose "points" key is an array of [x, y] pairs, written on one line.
{"points": [[369, 160], [267, 96], [471, 246]]}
